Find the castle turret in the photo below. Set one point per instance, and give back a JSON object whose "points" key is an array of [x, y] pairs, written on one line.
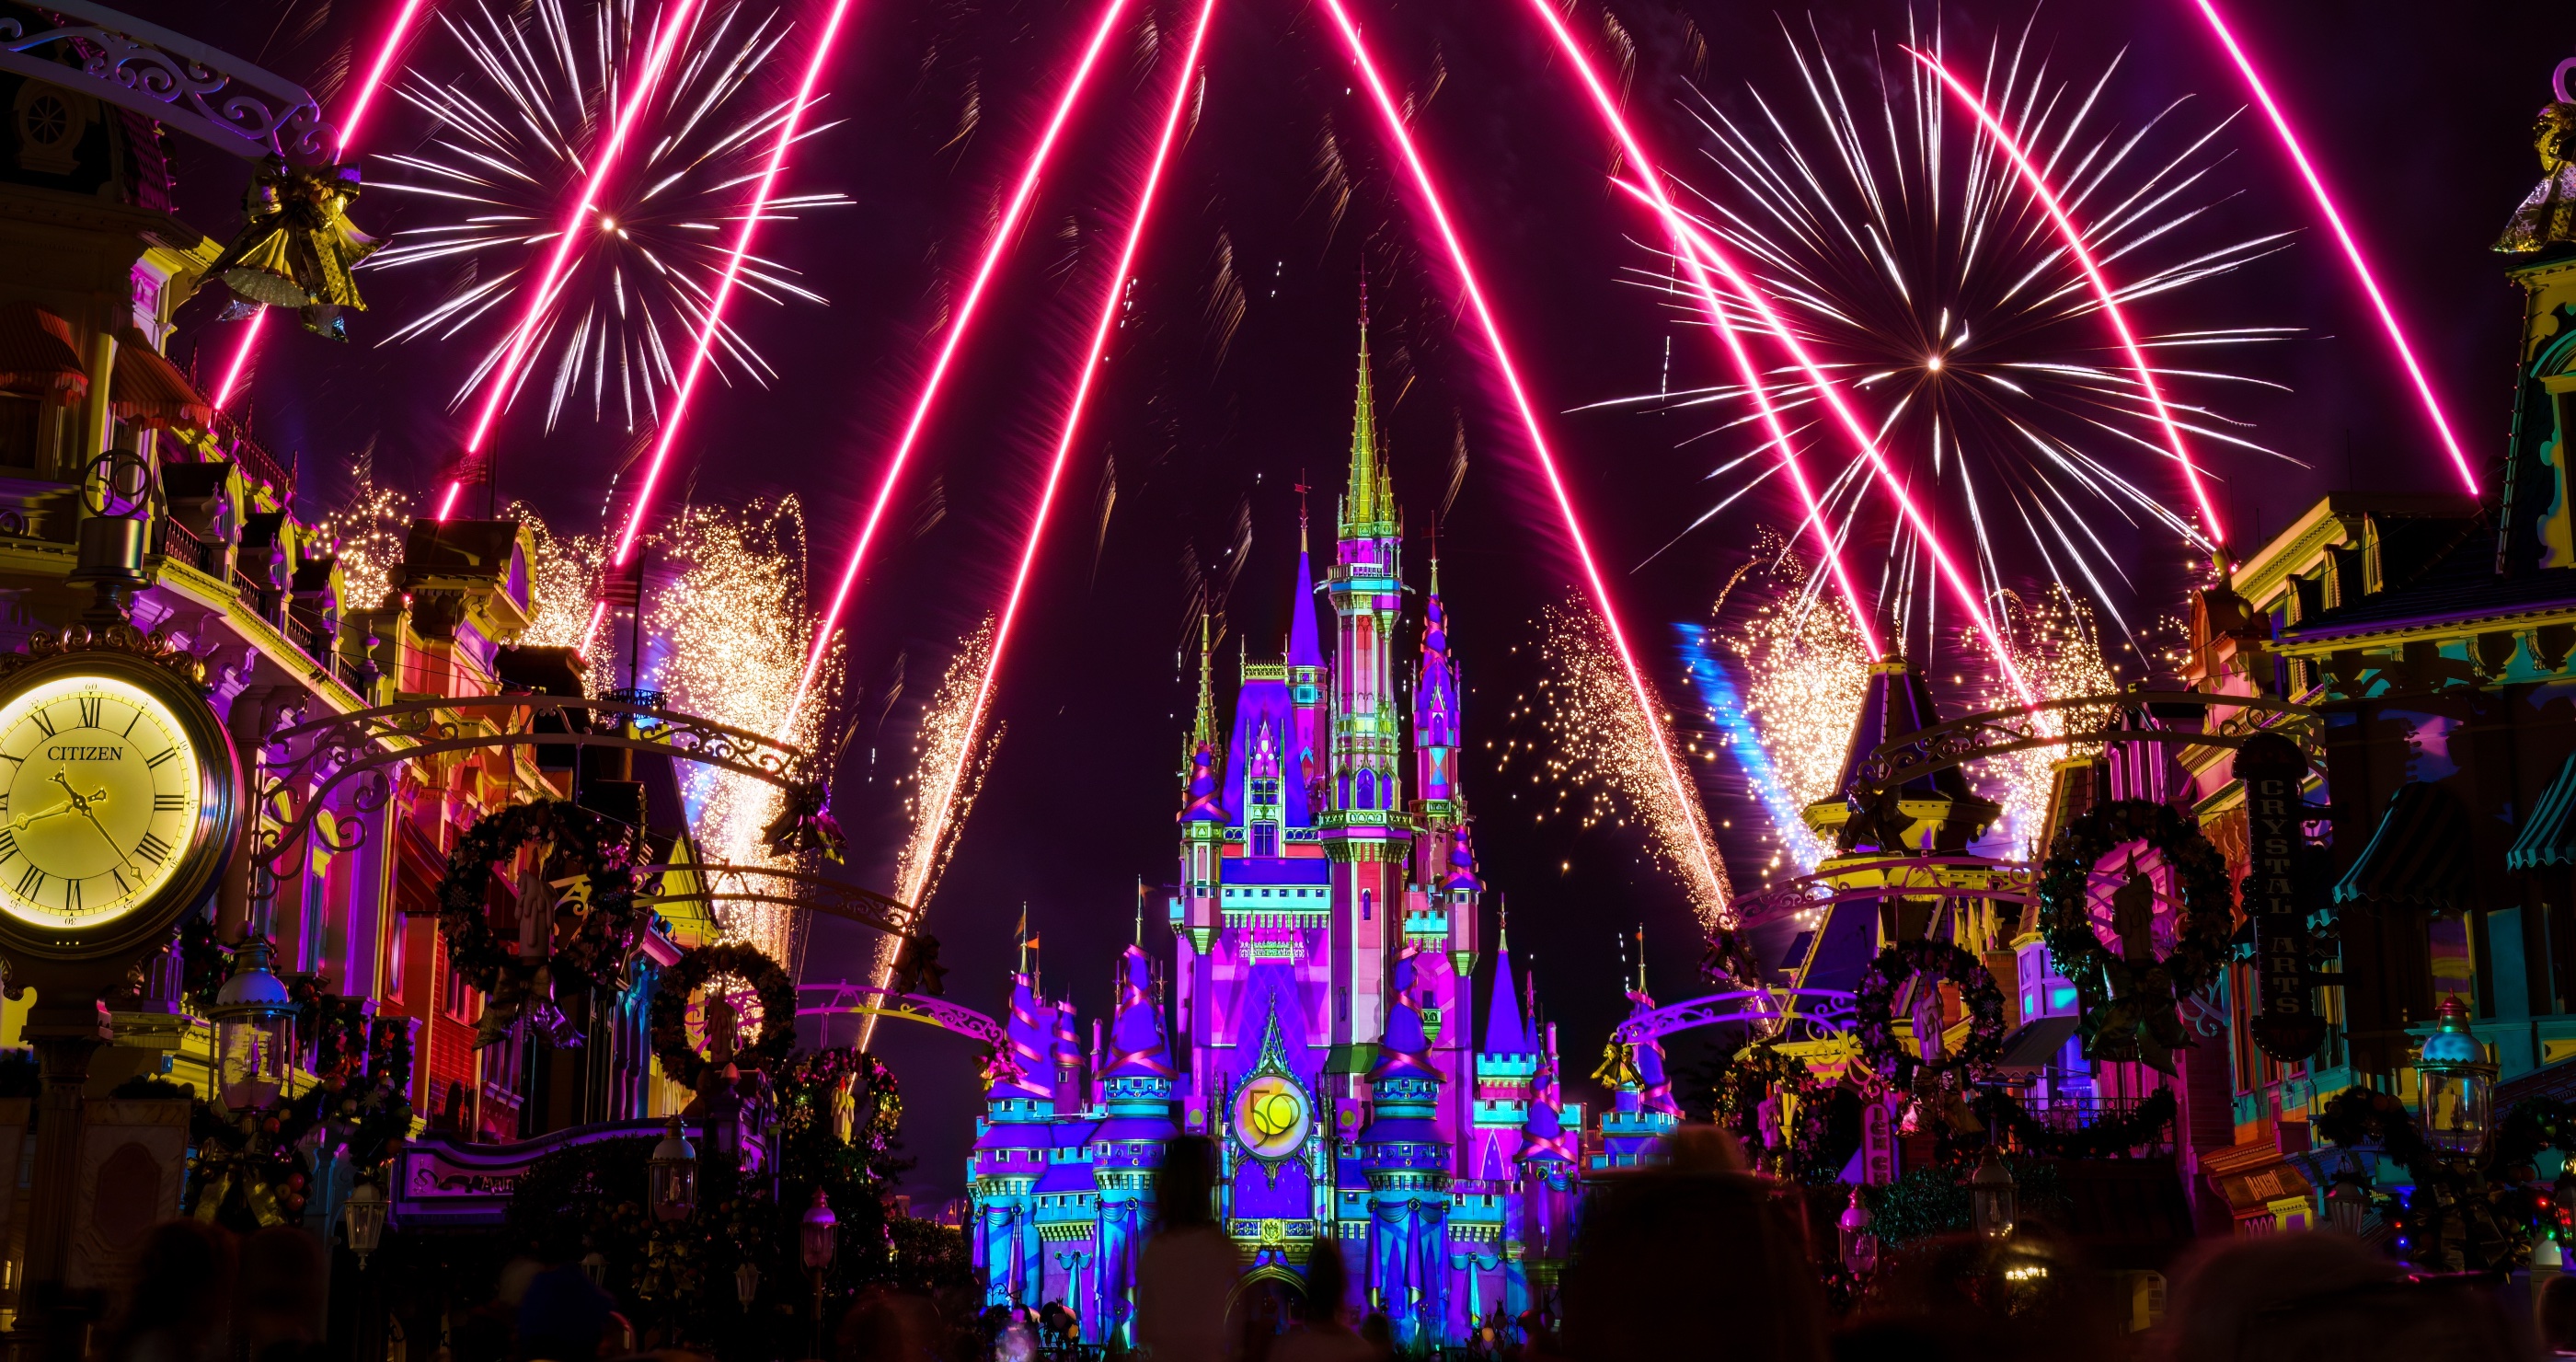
{"points": [[1136, 1085], [1203, 816], [1309, 681], [1012, 1150]]}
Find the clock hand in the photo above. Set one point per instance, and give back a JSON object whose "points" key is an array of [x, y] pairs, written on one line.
{"points": [[102, 832], [70, 802]]}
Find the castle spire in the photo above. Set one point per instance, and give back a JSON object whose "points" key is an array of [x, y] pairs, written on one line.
{"points": [[1203, 731], [1369, 502]]}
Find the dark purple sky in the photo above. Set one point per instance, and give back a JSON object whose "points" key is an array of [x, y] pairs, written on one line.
{"points": [[2417, 112]]}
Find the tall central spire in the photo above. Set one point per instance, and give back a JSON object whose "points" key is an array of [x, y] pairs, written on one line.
{"points": [[1370, 502]]}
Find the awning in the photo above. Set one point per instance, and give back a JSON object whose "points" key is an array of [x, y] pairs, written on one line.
{"points": [[2037, 1043], [37, 357], [150, 390], [2419, 854], [2549, 834]]}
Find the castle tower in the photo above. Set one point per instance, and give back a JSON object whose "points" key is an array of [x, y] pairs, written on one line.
{"points": [[1366, 832], [1011, 1151], [1136, 1087], [1406, 1159], [1309, 680]]}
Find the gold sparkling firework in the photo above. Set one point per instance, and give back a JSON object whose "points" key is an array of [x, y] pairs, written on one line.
{"points": [[726, 626], [1599, 764], [946, 726], [2057, 642], [1805, 673]]}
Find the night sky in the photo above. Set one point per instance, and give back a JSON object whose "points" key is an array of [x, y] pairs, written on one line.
{"points": [[2418, 114]]}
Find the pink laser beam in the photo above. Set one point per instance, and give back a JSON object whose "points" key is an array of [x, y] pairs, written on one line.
{"points": [[1420, 173], [241, 359], [604, 160], [723, 293], [1746, 367], [1094, 359], [2351, 248], [1004, 228], [358, 103], [2074, 239]]}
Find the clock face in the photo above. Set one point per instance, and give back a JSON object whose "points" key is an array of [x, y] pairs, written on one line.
{"points": [[99, 792], [1271, 1116]]}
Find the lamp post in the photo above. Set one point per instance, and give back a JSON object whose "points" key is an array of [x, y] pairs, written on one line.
{"points": [[254, 1032], [363, 1216], [2347, 1205], [819, 1236], [673, 1171], [1859, 1242], [2455, 1086], [1992, 1198], [746, 1284]]}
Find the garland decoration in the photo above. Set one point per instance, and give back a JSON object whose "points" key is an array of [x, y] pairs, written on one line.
{"points": [[1744, 1092], [2130, 1010], [2462, 1216], [1874, 1000], [669, 1016], [256, 1170], [582, 880]]}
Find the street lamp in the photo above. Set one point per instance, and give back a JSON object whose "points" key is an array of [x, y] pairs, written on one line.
{"points": [[2454, 1085], [674, 1173], [819, 1236], [254, 1032], [1859, 1244], [363, 1216], [1992, 1198]]}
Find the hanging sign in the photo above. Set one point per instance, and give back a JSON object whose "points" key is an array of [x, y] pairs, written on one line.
{"points": [[1877, 1144], [2285, 1023]]}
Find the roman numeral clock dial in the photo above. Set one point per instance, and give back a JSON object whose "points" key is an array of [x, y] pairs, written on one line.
{"points": [[99, 789]]}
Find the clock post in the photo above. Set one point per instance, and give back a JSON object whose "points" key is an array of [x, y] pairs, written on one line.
{"points": [[122, 797]]}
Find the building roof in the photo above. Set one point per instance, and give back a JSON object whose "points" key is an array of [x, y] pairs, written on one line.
{"points": [[1504, 1034]]}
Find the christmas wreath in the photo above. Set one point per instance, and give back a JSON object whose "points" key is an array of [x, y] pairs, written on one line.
{"points": [[582, 876], [1739, 1084], [257, 1168], [669, 1016], [1874, 1001]]}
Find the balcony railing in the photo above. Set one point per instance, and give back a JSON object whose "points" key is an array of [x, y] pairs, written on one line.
{"points": [[178, 542], [2072, 1111]]}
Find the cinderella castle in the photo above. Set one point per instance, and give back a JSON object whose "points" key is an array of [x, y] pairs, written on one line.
{"points": [[1320, 1023]]}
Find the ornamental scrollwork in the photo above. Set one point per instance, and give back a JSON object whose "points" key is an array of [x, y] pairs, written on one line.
{"points": [[2088, 721], [170, 78]]}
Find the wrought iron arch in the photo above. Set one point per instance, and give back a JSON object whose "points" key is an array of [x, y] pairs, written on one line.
{"points": [[793, 889], [867, 1000], [172, 79], [1901, 761]]}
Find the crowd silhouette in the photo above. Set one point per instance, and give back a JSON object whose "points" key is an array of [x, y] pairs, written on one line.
{"points": [[1693, 1256]]}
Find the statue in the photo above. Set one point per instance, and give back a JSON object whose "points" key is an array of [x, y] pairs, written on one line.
{"points": [[723, 1034], [2133, 917], [2547, 216], [1925, 1015]]}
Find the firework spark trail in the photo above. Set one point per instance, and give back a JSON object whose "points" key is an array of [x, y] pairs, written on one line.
{"points": [[540, 298], [2351, 248], [358, 103], [688, 384], [1701, 865], [2060, 646], [1005, 228], [1805, 674], [1095, 358], [2102, 291], [944, 753], [1826, 538], [1601, 748]]}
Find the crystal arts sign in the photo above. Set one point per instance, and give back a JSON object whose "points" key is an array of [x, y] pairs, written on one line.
{"points": [[2285, 1024]]}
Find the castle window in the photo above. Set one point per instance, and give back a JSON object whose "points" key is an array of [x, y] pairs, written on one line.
{"points": [[1346, 792], [1364, 905], [1368, 790], [1265, 839]]}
